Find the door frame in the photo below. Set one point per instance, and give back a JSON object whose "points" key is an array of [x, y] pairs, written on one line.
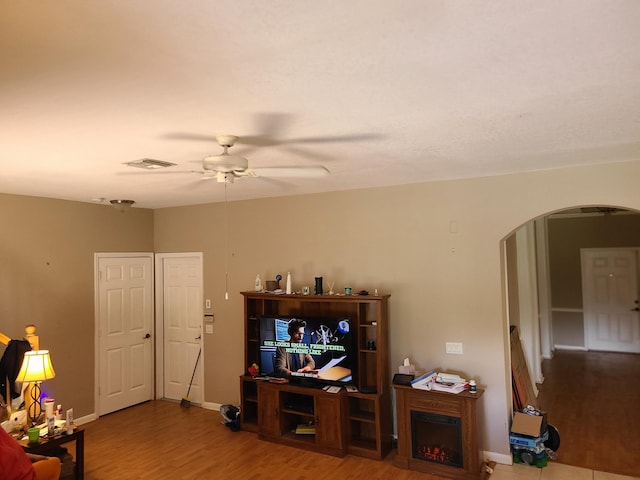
{"points": [[159, 321], [96, 315]]}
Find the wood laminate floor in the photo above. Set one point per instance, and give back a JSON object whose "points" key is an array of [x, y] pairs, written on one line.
{"points": [[162, 440], [593, 399]]}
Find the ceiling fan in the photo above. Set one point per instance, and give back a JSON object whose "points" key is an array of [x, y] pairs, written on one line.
{"points": [[226, 167]]}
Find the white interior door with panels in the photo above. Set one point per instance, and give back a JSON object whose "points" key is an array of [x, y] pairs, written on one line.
{"points": [[179, 306], [124, 327], [610, 299]]}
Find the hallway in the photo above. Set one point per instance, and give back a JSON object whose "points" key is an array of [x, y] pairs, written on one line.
{"points": [[593, 399]]}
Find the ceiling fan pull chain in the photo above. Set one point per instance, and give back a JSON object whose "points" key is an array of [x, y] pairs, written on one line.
{"points": [[226, 245]]}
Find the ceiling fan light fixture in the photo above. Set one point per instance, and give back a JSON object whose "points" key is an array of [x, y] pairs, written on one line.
{"points": [[225, 177], [225, 163], [122, 205]]}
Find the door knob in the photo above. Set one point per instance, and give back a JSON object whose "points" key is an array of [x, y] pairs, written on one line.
{"points": [[148, 335]]}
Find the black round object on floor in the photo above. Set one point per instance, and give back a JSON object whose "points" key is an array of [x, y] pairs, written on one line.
{"points": [[553, 442]]}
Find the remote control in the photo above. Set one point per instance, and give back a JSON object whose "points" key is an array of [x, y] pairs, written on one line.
{"points": [[351, 388]]}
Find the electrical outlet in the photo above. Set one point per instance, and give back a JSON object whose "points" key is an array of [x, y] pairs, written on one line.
{"points": [[453, 348]]}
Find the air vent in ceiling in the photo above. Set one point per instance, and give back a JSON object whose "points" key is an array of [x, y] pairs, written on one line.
{"points": [[149, 164]]}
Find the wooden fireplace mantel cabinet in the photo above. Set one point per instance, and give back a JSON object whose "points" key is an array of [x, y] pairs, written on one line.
{"points": [[358, 423], [461, 407]]}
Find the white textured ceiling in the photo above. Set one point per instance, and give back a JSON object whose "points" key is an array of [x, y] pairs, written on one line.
{"points": [[410, 91]]}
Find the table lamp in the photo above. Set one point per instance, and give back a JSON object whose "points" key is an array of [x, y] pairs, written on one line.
{"points": [[36, 368]]}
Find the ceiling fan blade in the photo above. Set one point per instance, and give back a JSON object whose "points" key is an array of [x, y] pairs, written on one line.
{"points": [[270, 141], [318, 155], [203, 137], [155, 172], [297, 172], [272, 124], [332, 138]]}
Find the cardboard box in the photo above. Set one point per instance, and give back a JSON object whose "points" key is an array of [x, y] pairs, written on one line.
{"points": [[528, 425]]}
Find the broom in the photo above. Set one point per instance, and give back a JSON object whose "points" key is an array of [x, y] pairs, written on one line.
{"points": [[185, 400]]}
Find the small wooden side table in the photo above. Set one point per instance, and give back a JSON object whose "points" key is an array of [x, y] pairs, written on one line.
{"points": [[47, 446]]}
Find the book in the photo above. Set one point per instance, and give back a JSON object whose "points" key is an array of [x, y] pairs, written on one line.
{"points": [[305, 429], [448, 387], [433, 380], [424, 382]]}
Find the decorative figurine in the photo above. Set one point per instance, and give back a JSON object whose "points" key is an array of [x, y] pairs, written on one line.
{"points": [[254, 370]]}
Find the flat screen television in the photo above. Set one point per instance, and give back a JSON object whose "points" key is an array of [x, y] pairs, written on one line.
{"points": [[328, 340]]}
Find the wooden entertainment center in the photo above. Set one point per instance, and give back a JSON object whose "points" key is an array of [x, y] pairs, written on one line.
{"points": [[357, 423]]}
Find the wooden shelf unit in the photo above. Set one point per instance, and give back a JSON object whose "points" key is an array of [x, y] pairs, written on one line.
{"points": [[283, 407], [364, 427]]}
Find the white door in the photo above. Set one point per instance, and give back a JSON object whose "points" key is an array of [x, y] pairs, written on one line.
{"points": [[181, 308], [125, 325], [610, 297]]}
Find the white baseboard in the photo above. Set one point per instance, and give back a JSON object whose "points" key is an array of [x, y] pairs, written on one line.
{"points": [[570, 347], [211, 406], [498, 458], [86, 419]]}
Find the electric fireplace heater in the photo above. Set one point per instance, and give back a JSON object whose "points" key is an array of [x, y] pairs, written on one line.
{"points": [[436, 438], [438, 432]]}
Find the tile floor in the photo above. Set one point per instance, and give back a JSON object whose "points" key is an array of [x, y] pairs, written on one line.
{"points": [[553, 471]]}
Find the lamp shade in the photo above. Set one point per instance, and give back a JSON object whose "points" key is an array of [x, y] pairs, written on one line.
{"points": [[36, 367]]}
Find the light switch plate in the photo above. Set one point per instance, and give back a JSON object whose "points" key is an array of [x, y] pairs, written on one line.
{"points": [[453, 348]]}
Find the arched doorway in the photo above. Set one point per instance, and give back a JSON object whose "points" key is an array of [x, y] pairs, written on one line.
{"points": [[554, 242]]}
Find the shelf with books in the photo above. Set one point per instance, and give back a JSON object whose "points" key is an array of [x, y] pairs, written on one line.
{"points": [[284, 408]]}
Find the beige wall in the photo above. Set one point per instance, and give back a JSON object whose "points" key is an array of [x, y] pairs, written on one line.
{"points": [[396, 239], [567, 235], [47, 278], [444, 286]]}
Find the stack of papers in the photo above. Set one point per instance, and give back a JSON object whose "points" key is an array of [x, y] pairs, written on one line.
{"points": [[441, 382]]}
